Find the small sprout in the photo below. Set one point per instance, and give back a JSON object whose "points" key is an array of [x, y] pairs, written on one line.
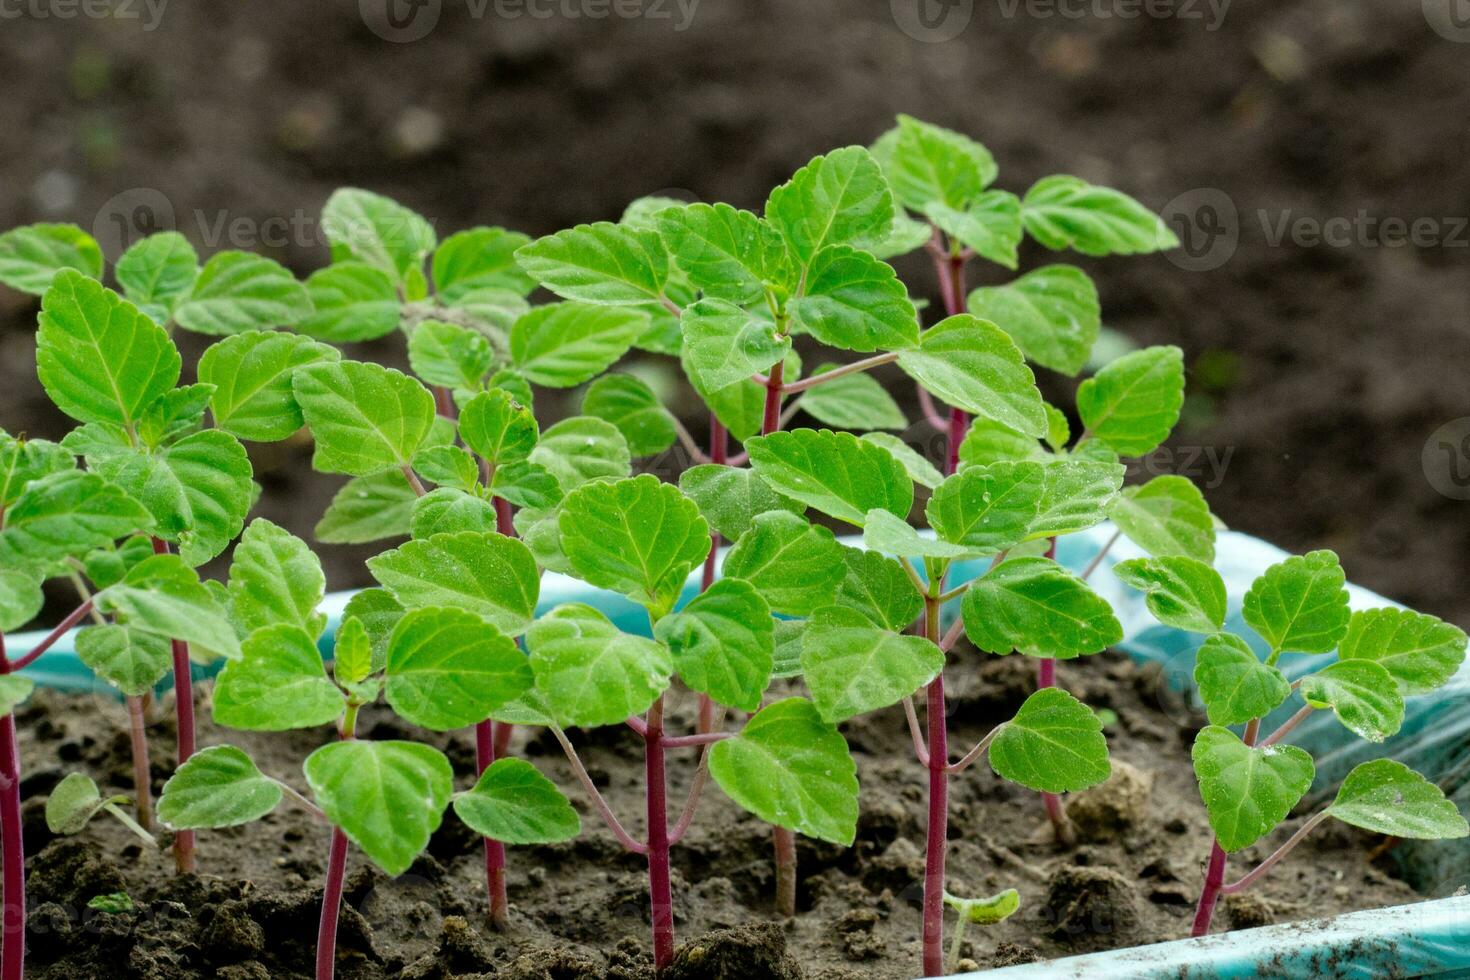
{"points": [[76, 800], [978, 911], [113, 903]]}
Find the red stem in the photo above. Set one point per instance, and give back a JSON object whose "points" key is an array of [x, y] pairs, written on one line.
{"points": [[184, 712], [937, 844], [74, 617], [1209, 895], [950, 269], [771, 421], [661, 901], [12, 848], [494, 850], [326, 934], [719, 452], [784, 842], [142, 775]]}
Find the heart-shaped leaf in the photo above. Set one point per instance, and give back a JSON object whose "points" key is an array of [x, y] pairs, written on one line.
{"points": [[1233, 683], [1054, 744], [513, 803], [218, 786], [1300, 605], [835, 472], [792, 564], [1133, 402], [1388, 797], [1053, 314], [1036, 607], [589, 672], [1182, 592], [1247, 790], [365, 418], [279, 683], [853, 667], [987, 508], [251, 373], [448, 669], [972, 364], [1419, 652], [1361, 693], [722, 643], [838, 198], [1166, 516], [488, 574]]}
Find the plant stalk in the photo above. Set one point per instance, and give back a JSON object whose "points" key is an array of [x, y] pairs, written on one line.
{"points": [[661, 901], [1209, 895], [326, 933], [12, 848], [184, 713], [950, 268], [494, 849], [142, 776], [937, 844]]}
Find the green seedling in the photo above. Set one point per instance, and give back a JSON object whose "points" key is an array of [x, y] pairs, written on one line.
{"points": [[980, 912], [76, 800]]}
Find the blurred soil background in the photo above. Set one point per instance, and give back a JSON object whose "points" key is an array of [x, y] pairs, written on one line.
{"points": [[1319, 369]]}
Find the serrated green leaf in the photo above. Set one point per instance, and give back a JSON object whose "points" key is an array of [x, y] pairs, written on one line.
{"points": [[279, 683], [177, 413], [351, 302], [834, 472], [882, 532], [991, 226], [722, 643], [497, 427], [1133, 402], [448, 669], [23, 460], [67, 513], [1182, 592], [1053, 314], [448, 466], [1388, 797], [854, 301], [906, 236], [727, 253], [379, 614], [72, 804], [513, 803], [628, 403], [1247, 791], [377, 231], [795, 566], [1419, 652], [879, 588], [1076, 495], [218, 786], [450, 511], [1300, 605], [448, 355], [130, 661], [564, 344], [730, 498], [786, 655], [1234, 684], [927, 163], [108, 564], [854, 401], [589, 673], [251, 374], [987, 509], [1361, 694], [919, 469], [791, 769], [526, 484], [32, 255], [724, 344], [98, 357], [599, 263], [157, 272], [1054, 744], [972, 364], [1036, 607], [388, 797], [987, 441], [853, 667], [20, 598], [636, 536], [365, 418], [239, 291], [368, 508], [488, 574], [1067, 212], [275, 578], [582, 449], [13, 690], [838, 198], [162, 595], [1166, 516], [352, 652], [477, 259]]}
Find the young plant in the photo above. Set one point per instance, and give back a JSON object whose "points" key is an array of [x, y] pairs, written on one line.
{"points": [[1250, 784]]}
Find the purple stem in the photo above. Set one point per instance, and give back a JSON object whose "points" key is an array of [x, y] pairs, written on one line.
{"points": [[12, 848], [937, 844], [660, 895], [1209, 895]]}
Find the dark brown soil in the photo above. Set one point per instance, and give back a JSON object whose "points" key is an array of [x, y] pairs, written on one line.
{"points": [[579, 910]]}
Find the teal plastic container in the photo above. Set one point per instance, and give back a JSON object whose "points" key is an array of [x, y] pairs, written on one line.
{"points": [[1430, 938]]}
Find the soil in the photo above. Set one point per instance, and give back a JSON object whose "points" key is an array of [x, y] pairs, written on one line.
{"points": [[579, 910]]}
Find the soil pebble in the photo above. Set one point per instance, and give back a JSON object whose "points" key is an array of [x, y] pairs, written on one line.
{"points": [[1090, 907], [1247, 911], [757, 950], [1112, 808]]}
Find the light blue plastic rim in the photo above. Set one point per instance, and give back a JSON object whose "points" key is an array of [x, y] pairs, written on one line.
{"points": [[1430, 938]]}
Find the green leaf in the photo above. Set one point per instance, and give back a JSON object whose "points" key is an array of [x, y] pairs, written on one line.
{"points": [[856, 302], [497, 427], [986, 911], [108, 564], [927, 163], [487, 574], [67, 513], [368, 508], [991, 225], [198, 490], [636, 536], [98, 357], [1166, 516], [218, 786], [730, 498], [130, 661], [479, 258], [379, 614], [628, 403], [1300, 605], [365, 418], [513, 803], [526, 484], [988, 441], [163, 596], [13, 690], [564, 344], [878, 587], [1077, 494], [581, 449], [727, 253], [838, 198], [852, 667], [72, 804], [722, 643], [589, 673], [1054, 744], [351, 302], [791, 769], [906, 236], [795, 566], [388, 797], [492, 311], [1182, 592], [1053, 315], [1388, 797], [449, 511], [352, 652], [600, 263], [449, 356], [1361, 694], [23, 460], [724, 344], [20, 598], [1419, 652], [972, 364], [1133, 402], [448, 669], [279, 683], [239, 291], [786, 657], [882, 532], [835, 472], [157, 272], [987, 509], [919, 469], [32, 255], [251, 374], [1067, 212], [853, 401], [1036, 607], [377, 231], [177, 413], [275, 578], [1233, 683], [1247, 791], [448, 466]]}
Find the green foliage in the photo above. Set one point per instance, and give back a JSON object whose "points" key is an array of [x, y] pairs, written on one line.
{"points": [[630, 405], [450, 669], [1053, 314], [351, 301], [722, 643], [838, 198], [1247, 790], [581, 449], [23, 460], [565, 344], [157, 272], [731, 499], [991, 225], [365, 418], [1419, 652], [1233, 683], [853, 401], [488, 574], [1076, 494], [852, 666], [218, 786], [1054, 744], [129, 660], [794, 565], [854, 301], [368, 508], [377, 232], [987, 508], [724, 344], [163, 596], [479, 259], [727, 253], [20, 598], [1066, 212], [1133, 402], [1300, 605], [32, 255], [927, 164], [1182, 592], [251, 373], [238, 291], [67, 514], [589, 673], [73, 804], [279, 683], [972, 364], [1166, 516], [449, 355], [1387, 797], [1036, 607], [1361, 694], [877, 586], [513, 803], [275, 578], [498, 428], [601, 263], [834, 472]]}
